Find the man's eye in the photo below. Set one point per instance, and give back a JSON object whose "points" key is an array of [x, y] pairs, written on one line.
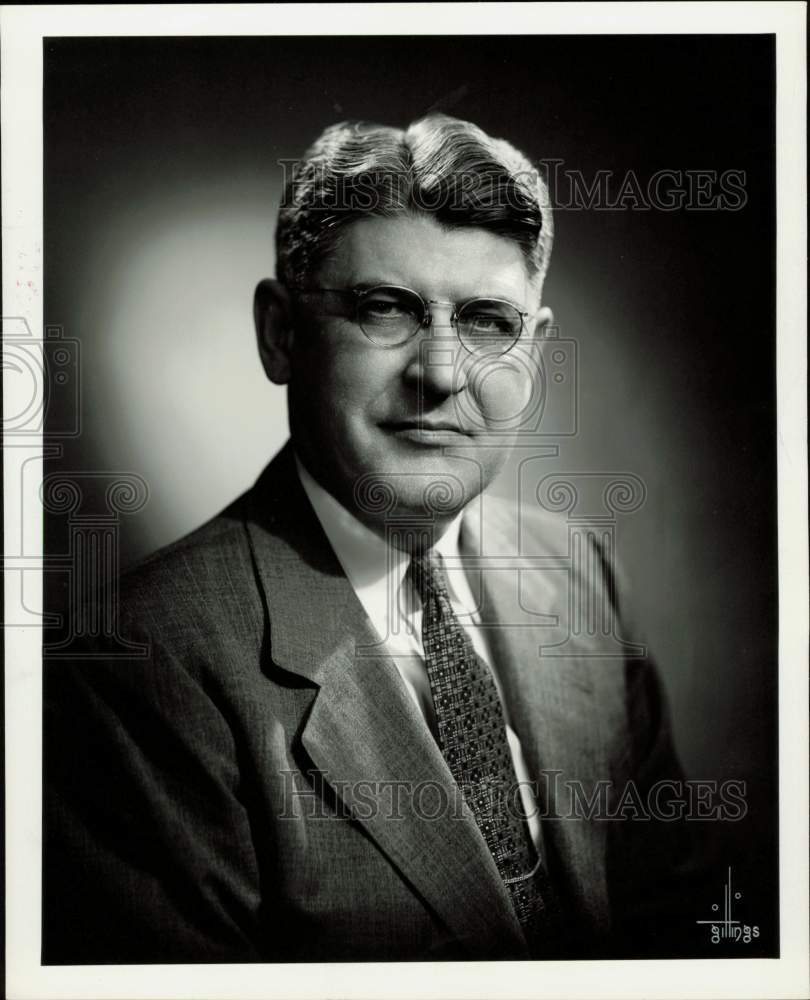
{"points": [[383, 309], [487, 319], [488, 323]]}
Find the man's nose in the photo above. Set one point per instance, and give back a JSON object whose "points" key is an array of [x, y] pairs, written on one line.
{"points": [[439, 361]]}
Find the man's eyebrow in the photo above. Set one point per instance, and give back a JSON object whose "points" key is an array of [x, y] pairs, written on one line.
{"points": [[374, 282], [364, 284]]}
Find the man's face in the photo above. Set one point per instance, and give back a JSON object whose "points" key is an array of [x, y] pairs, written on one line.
{"points": [[415, 414]]}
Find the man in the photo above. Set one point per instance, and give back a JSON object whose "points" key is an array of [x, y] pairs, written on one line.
{"points": [[336, 741]]}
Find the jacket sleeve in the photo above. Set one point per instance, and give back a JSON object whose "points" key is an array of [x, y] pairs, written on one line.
{"points": [[148, 848]]}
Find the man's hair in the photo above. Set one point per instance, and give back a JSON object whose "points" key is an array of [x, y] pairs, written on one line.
{"points": [[448, 169]]}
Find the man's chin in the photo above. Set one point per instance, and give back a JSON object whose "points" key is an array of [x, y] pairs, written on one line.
{"points": [[433, 487]]}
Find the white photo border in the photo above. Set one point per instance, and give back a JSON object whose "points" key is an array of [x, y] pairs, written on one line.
{"points": [[23, 30]]}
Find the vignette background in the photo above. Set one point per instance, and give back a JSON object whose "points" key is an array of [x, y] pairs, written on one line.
{"points": [[161, 186]]}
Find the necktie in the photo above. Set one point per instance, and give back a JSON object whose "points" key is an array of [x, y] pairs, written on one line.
{"points": [[472, 737]]}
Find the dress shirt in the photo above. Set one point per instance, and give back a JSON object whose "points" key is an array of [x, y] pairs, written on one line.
{"points": [[376, 572]]}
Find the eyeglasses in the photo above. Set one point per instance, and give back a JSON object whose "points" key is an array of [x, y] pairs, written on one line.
{"points": [[390, 315]]}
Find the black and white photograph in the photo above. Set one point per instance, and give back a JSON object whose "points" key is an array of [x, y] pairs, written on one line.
{"points": [[405, 488]]}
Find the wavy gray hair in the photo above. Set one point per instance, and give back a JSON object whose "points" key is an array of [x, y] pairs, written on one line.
{"points": [[447, 168]]}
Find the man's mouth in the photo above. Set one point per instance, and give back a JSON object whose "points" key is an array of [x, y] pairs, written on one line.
{"points": [[425, 430]]}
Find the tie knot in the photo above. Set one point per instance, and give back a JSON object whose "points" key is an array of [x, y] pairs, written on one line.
{"points": [[426, 573]]}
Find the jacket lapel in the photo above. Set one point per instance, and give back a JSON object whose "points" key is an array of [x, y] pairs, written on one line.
{"points": [[364, 733]]}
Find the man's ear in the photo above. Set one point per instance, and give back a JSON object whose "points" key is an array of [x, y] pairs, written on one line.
{"points": [[272, 314], [545, 319]]}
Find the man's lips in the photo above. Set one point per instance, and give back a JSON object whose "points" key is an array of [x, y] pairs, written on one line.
{"points": [[424, 425], [424, 429]]}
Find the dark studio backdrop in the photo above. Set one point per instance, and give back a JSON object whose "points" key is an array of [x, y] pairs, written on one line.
{"points": [[161, 188]]}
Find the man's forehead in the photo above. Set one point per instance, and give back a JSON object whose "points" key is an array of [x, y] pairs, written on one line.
{"points": [[439, 261]]}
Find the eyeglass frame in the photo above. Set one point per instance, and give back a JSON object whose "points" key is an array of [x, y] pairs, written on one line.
{"points": [[359, 293]]}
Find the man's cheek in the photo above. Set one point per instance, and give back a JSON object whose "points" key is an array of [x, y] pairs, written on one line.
{"points": [[504, 393], [358, 376]]}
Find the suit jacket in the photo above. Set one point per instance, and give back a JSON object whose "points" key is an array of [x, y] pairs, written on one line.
{"points": [[256, 784]]}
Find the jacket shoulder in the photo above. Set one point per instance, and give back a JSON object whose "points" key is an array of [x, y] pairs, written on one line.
{"points": [[200, 585]]}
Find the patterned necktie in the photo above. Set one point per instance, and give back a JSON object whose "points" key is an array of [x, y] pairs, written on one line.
{"points": [[472, 738]]}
